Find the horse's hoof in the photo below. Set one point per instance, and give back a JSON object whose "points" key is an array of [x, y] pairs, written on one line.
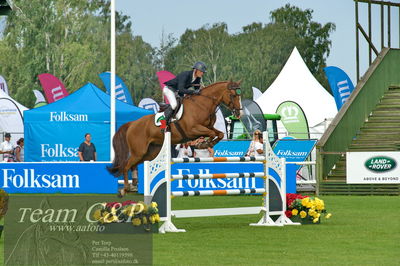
{"points": [[133, 188], [121, 193]]}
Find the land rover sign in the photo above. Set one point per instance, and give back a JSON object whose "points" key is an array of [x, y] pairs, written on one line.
{"points": [[380, 164], [372, 168]]}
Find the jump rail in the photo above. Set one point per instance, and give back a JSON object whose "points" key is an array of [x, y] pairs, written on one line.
{"points": [[162, 163]]}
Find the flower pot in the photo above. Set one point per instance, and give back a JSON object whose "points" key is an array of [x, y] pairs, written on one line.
{"points": [[307, 220]]}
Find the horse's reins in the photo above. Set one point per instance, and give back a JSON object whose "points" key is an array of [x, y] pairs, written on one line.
{"points": [[214, 99]]}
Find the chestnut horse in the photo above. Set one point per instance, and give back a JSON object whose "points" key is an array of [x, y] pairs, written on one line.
{"points": [[140, 140]]}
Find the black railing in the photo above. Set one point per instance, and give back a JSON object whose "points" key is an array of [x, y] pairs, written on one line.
{"points": [[368, 36]]}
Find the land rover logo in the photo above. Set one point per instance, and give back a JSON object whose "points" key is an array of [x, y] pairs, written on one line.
{"points": [[380, 164]]}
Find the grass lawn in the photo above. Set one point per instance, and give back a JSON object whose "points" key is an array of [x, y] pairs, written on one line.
{"points": [[363, 230]]}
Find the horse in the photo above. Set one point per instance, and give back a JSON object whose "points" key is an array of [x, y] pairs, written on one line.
{"points": [[141, 140]]}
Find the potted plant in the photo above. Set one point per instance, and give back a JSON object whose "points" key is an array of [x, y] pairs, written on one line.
{"points": [[128, 216], [305, 209]]}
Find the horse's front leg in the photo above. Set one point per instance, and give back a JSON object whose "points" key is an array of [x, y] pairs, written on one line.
{"points": [[204, 131], [219, 135]]}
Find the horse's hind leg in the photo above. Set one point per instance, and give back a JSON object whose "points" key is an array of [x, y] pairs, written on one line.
{"points": [[132, 162], [124, 190]]}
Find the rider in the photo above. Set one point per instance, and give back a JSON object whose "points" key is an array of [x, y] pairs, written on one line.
{"points": [[180, 84]]}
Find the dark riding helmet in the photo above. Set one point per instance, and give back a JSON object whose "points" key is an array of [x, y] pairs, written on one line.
{"points": [[200, 66]]}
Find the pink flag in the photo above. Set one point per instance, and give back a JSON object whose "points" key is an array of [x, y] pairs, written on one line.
{"points": [[164, 76], [52, 87]]}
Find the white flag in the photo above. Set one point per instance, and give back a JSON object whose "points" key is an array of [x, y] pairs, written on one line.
{"points": [[256, 93], [220, 123], [149, 104], [39, 97], [3, 85]]}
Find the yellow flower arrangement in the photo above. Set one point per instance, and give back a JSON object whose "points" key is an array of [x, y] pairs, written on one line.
{"points": [[308, 208], [136, 221], [136, 213]]}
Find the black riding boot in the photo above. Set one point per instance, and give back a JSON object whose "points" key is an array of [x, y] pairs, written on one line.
{"points": [[168, 115]]}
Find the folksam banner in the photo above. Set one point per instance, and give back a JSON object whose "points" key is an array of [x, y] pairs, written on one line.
{"points": [[57, 178], [293, 150], [53, 88], [212, 184], [55, 131], [340, 84], [231, 148], [121, 91], [294, 119]]}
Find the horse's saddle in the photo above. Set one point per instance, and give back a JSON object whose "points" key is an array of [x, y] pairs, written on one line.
{"points": [[160, 115]]}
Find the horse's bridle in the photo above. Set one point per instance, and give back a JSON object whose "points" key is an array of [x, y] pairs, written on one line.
{"points": [[238, 92]]}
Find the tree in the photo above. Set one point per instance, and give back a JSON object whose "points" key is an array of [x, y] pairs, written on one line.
{"points": [[135, 62], [67, 38], [208, 44], [312, 37], [257, 54]]}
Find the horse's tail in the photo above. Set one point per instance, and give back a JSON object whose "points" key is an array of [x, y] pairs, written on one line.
{"points": [[121, 150]]}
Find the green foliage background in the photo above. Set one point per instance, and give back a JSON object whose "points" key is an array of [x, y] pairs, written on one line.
{"points": [[70, 39]]}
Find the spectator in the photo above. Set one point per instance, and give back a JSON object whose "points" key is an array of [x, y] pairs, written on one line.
{"points": [[19, 151], [256, 145], [202, 152], [184, 151], [7, 149], [87, 150], [192, 145]]}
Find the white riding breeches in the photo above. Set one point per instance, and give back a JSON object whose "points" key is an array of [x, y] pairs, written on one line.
{"points": [[170, 94]]}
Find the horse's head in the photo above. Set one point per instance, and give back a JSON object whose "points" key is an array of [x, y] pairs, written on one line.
{"points": [[232, 99]]}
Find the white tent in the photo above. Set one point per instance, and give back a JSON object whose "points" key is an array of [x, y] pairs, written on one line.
{"points": [[296, 83], [11, 113]]}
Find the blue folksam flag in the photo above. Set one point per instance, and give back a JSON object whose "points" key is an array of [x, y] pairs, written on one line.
{"points": [[121, 91], [340, 83]]}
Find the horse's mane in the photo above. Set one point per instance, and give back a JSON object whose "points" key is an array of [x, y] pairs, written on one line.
{"points": [[216, 83]]}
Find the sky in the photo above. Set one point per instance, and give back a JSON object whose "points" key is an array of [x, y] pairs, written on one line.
{"points": [[153, 17]]}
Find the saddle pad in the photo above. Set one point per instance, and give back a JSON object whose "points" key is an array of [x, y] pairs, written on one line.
{"points": [[160, 116]]}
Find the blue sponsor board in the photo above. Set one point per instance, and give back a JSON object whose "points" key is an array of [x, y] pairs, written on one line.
{"points": [[293, 150], [57, 178], [212, 184], [233, 148]]}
